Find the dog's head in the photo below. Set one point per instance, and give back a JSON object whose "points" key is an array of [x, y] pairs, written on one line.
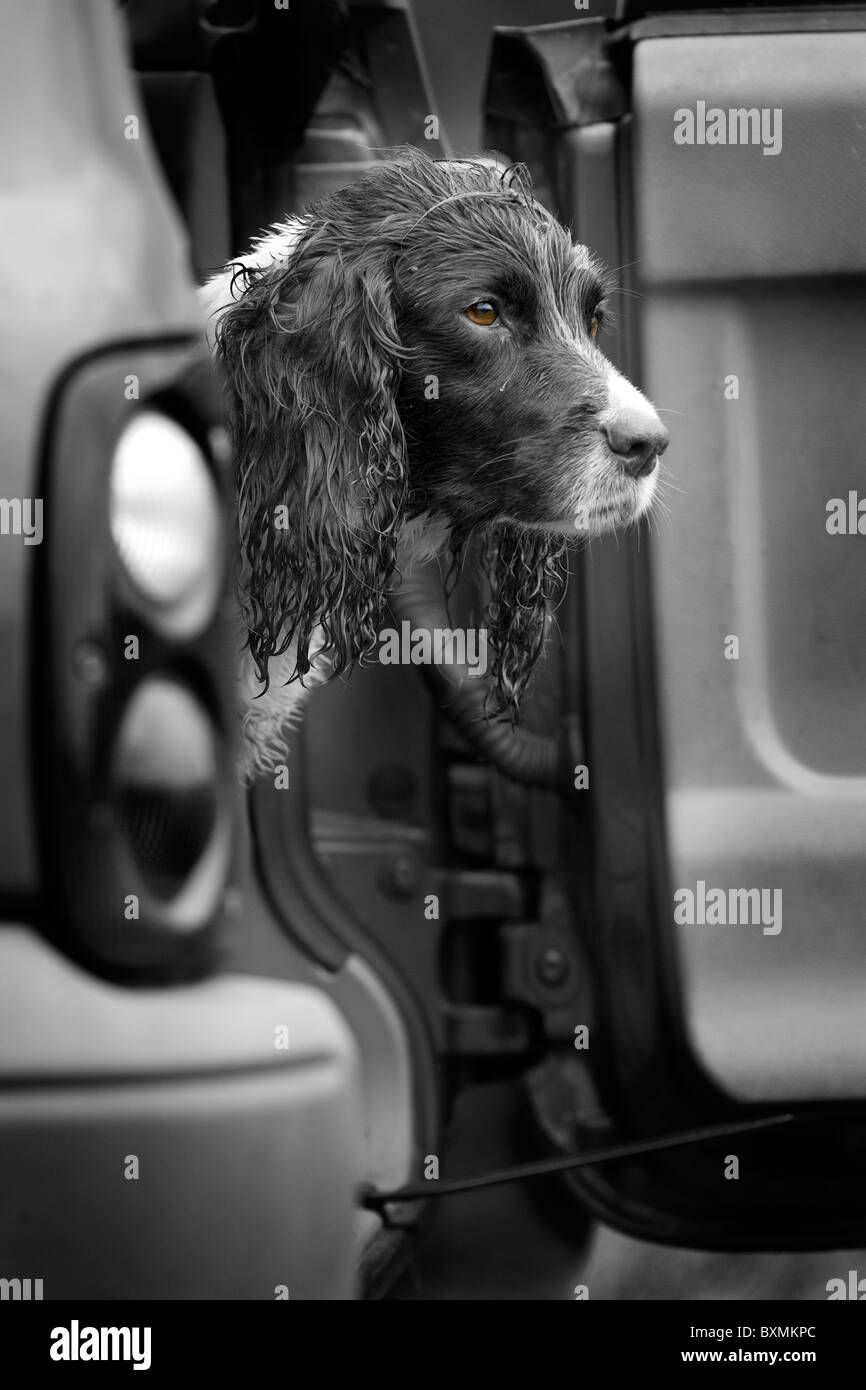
{"points": [[430, 345]]}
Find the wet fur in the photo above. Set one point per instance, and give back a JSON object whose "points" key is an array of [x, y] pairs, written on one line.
{"points": [[366, 406]]}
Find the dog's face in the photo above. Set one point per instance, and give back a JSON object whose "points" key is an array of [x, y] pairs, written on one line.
{"points": [[425, 341], [511, 410]]}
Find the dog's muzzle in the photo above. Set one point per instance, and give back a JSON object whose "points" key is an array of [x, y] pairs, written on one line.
{"points": [[618, 477], [631, 428]]}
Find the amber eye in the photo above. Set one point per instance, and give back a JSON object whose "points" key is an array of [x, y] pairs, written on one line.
{"points": [[594, 329], [482, 312]]}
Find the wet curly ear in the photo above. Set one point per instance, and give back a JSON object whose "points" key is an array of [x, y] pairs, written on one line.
{"points": [[525, 571], [312, 357]]}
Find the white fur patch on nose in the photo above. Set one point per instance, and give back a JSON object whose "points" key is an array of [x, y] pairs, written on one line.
{"points": [[624, 398]]}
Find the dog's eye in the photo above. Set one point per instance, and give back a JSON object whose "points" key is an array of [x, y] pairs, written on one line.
{"points": [[596, 320], [482, 312]]}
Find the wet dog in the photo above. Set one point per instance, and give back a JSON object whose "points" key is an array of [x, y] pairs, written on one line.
{"points": [[415, 362]]}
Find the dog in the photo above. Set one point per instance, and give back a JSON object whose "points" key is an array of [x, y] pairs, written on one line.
{"points": [[414, 363]]}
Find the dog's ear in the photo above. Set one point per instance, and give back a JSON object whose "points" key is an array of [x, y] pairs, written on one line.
{"points": [[312, 356], [525, 572]]}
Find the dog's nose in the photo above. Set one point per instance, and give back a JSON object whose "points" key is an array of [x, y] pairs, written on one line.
{"points": [[637, 439]]}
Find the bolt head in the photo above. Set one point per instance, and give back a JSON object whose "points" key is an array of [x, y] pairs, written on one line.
{"points": [[90, 663], [552, 967], [400, 876]]}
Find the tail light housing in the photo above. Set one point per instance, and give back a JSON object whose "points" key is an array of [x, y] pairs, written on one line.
{"points": [[132, 702]]}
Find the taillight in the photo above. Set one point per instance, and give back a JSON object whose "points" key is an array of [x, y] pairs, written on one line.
{"points": [[133, 709], [166, 522]]}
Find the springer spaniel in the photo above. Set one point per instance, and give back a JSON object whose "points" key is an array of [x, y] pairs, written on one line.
{"points": [[414, 362]]}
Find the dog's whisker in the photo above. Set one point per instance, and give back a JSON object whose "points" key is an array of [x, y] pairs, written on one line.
{"points": [[668, 486], [626, 265], [625, 293]]}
